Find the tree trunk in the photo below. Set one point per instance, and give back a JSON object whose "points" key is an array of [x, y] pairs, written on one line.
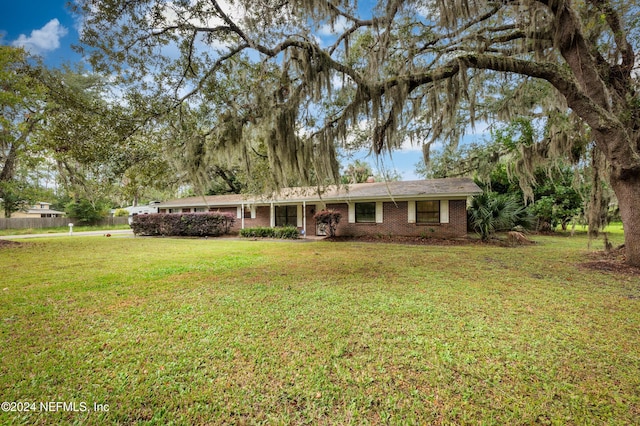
{"points": [[628, 193]]}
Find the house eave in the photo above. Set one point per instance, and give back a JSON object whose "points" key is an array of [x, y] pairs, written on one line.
{"points": [[393, 191]]}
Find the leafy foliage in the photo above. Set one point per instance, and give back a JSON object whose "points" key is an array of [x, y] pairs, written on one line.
{"points": [[555, 191], [86, 211], [121, 213], [329, 219], [16, 195], [22, 101], [489, 213], [357, 172], [557, 201], [283, 232], [421, 71], [182, 224]]}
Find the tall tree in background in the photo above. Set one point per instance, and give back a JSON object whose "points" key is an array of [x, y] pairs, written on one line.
{"points": [[426, 68], [106, 150], [22, 102]]}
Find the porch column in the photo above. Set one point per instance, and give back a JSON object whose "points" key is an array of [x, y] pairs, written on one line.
{"points": [[242, 217], [272, 216], [304, 219]]}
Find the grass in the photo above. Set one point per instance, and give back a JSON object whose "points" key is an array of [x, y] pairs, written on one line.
{"points": [[60, 229], [191, 331], [613, 228]]}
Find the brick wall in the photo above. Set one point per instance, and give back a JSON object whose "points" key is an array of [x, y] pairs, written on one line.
{"points": [[262, 218], [311, 222], [395, 222]]}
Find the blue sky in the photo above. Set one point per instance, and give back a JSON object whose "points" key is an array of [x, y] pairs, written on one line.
{"points": [[43, 27], [47, 28]]}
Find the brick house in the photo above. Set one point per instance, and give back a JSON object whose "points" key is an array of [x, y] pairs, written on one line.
{"points": [[436, 207]]}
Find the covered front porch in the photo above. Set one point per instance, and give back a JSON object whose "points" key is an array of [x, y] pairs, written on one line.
{"points": [[275, 214]]}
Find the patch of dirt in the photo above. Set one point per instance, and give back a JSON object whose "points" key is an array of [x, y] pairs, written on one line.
{"points": [[612, 261], [7, 243]]}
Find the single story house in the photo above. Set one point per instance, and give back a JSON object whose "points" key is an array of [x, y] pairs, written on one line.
{"points": [[134, 210], [436, 207], [38, 210]]}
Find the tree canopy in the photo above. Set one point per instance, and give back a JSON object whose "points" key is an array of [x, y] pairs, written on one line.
{"points": [[23, 112], [425, 70]]}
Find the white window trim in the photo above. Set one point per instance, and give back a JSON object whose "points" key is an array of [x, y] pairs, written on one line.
{"points": [[299, 221], [379, 211], [444, 211], [411, 211]]}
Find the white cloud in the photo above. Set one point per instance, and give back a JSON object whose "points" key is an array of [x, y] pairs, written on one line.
{"points": [[43, 40], [337, 28]]}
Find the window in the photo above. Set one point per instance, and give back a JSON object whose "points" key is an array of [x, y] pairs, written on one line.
{"points": [[286, 215], [365, 212], [247, 212], [428, 211], [186, 210]]}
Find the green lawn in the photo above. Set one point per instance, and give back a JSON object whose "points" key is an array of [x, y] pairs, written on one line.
{"points": [[59, 229], [192, 331]]}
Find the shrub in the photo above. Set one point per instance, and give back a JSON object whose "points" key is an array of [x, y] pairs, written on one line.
{"points": [[490, 212], [183, 224], [330, 219], [121, 213], [86, 212], [285, 232], [257, 232]]}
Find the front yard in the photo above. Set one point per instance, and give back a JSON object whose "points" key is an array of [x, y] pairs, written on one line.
{"points": [[193, 331]]}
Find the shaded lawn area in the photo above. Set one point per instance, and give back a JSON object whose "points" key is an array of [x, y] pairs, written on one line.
{"points": [[191, 331]]}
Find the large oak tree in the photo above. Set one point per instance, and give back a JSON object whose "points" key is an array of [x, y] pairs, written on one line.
{"points": [[24, 108], [427, 68]]}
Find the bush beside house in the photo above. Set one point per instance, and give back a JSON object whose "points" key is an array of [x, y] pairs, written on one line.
{"points": [[183, 224], [283, 232], [329, 219]]}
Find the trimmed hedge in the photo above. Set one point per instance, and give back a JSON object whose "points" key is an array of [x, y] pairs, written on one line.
{"points": [[183, 224], [285, 232]]}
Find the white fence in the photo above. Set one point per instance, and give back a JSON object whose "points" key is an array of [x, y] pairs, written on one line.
{"points": [[53, 222]]}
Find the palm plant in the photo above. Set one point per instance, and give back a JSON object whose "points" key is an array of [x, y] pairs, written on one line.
{"points": [[490, 213]]}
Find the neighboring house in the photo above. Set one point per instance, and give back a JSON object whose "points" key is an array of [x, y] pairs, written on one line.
{"points": [[152, 207], [38, 210], [436, 207]]}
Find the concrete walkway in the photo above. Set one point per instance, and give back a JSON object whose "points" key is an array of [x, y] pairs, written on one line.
{"points": [[113, 232]]}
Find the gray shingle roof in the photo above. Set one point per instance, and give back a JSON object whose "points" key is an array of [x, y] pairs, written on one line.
{"points": [[433, 188]]}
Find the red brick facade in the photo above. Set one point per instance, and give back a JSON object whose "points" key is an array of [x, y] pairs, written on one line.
{"points": [[395, 222]]}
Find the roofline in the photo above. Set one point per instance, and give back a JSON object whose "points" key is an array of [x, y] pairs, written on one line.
{"points": [[343, 199], [334, 194]]}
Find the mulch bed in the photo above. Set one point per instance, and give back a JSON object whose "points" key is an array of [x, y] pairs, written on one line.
{"points": [[406, 240], [611, 261]]}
